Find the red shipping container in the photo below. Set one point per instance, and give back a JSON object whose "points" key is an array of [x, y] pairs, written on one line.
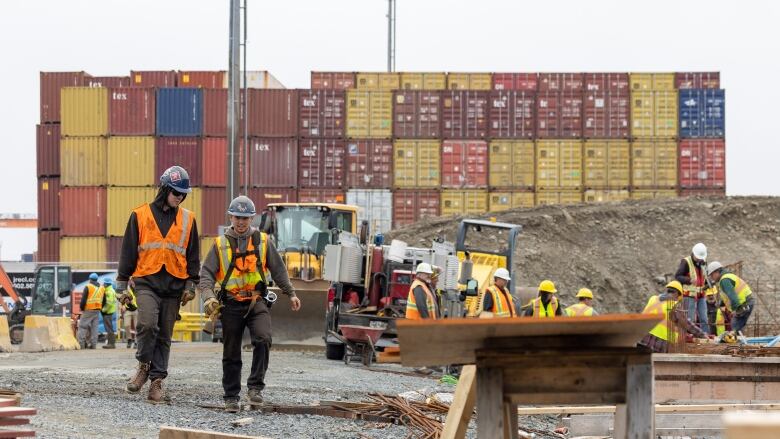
{"points": [[464, 164], [332, 80], [720, 192], [685, 80], [322, 113], [212, 210], [48, 246], [606, 114], [515, 81], [559, 114], [560, 81], [417, 114], [262, 197], [131, 111], [179, 151], [464, 114], [108, 81], [203, 79], [213, 157], [47, 149], [215, 113], [51, 83], [410, 206], [114, 248], [512, 114], [321, 163], [702, 163], [83, 211], [369, 164], [273, 113], [273, 162], [48, 203], [321, 196], [606, 82], [151, 78]]}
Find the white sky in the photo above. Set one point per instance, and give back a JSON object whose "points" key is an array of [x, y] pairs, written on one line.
{"points": [[290, 38]]}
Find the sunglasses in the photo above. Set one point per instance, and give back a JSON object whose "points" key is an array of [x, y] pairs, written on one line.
{"points": [[177, 193]]}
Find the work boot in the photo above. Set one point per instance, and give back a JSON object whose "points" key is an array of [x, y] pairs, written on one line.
{"points": [[232, 406], [129, 344], [255, 396], [138, 381], [111, 344], [156, 393]]}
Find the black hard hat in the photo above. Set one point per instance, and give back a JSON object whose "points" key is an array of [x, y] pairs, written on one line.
{"points": [[241, 206], [177, 179]]}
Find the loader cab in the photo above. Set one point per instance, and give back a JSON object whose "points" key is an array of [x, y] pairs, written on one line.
{"points": [[52, 290], [299, 227]]}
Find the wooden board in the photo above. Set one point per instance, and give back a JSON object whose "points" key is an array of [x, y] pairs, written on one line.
{"points": [[16, 411], [454, 341], [187, 433], [659, 408]]}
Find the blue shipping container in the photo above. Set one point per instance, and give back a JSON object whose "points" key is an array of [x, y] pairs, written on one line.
{"points": [[702, 113], [179, 111]]}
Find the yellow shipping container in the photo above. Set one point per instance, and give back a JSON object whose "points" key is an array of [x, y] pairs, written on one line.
{"points": [[499, 201], [511, 164], [131, 161], [381, 114], [423, 81], [647, 194], [654, 114], [559, 164], [369, 114], [377, 81], [558, 197], [83, 161], [84, 111], [654, 164], [642, 114], [651, 81], [122, 200], [194, 202], [83, 251], [416, 163], [606, 164], [206, 242], [464, 202], [469, 81], [598, 196]]}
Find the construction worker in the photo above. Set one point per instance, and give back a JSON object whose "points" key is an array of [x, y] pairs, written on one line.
{"points": [[421, 302], [92, 301], [692, 275], [240, 262], [715, 315], [667, 304], [129, 319], [160, 256], [735, 293], [108, 311], [585, 305], [546, 304], [497, 302]]}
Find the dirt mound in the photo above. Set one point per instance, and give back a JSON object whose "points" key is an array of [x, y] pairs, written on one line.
{"points": [[622, 250]]}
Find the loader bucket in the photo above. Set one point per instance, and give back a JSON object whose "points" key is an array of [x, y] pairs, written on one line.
{"points": [[306, 326]]}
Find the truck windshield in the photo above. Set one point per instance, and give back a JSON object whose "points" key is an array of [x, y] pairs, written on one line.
{"points": [[300, 226]]}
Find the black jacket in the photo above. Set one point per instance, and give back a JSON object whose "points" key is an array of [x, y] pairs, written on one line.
{"points": [[421, 299], [683, 274]]}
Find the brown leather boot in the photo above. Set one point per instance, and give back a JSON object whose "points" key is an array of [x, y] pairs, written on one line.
{"points": [[156, 393], [140, 378]]}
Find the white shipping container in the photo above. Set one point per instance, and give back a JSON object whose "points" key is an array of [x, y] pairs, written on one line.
{"points": [[256, 79], [375, 206]]}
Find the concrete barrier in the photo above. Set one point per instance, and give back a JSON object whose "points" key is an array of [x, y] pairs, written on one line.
{"points": [[64, 332], [5, 336], [38, 335]]}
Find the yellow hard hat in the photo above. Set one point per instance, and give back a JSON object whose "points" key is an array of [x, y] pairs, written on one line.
{"points": [[676, 285], [547, 286], [586, 293], [711, 291]]}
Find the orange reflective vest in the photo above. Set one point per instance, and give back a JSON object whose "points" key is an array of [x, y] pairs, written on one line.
{"points": [[94, 298], [542, 311], [662, 330], [156, 251], [245, 276], [503, 304], [412, 311], [579, 310]]}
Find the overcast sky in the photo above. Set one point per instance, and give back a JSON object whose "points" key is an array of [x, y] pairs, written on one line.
{"points": [[291, 38]]}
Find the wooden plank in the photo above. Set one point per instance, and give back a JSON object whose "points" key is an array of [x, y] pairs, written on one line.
{"points": [[462, 407], [565, 379], [14, 421], [16, 433], [659, 408], [382, 358], [740, 425], [640, 414], [7, 402], [188, 433], [393, 349], [16, 411], [490, 403], [510, 421], [572, 397]]}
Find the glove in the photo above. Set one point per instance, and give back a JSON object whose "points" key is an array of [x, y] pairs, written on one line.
{"points": [[189, 292], [211, 306], [742, 310]]}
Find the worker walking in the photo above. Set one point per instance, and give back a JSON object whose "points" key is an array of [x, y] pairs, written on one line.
{"points": [[665, 332], [160, 256], [735, 293], [715, 315], [546, 304], [129, 320], [240, 262], [691, 274], [585, 305], [421, 302], [108, 312], [497, 302], [92, 301]]}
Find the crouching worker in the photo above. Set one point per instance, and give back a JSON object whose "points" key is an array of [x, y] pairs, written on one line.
{"points": [[666, 331]]}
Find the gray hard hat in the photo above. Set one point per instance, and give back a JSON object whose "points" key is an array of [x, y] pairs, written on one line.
{"points": [[241, 206]]}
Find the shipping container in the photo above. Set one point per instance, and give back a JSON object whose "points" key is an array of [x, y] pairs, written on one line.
{"points": [[718, 192], [559, 114], [48, 203], [179, 151], [369, 114], [605, 195], [649, 194], [47, 149], [686, 80], [82, 211], [654, 164], [48, 246], [464, 202], [606, 82], [410, 206], [469, 81], [107, 81], [516, 81], [131, 161], [416, 164], [262, 197], [423, 81], [606, 114], [654, 114], [464, 114], [464, 164], [702, 113], [651, 81], [213, 156], [273, 113], [202, 79], [179, 112], [255, 79], [121, 201], [82, 252], [331, 196], [131, 111], [374, 206], [559, 197], [572, 82], [322, 113], [84, 111], [369, 164], [206, 244], [213, 210], [511, 114], [83, 161], [332, 80], [512, 164], [499, 201], [194, 203], [114, 248], [703, 164], [51, 83], [417, 114], [558, 164], [215, 113], [273, 162], [153, 78], [321, 163], [378, 81], [606, 164]]}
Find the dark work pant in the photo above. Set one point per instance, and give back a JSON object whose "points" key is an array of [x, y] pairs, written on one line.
{"points": [[108, 323], [233, 323], [154, 328]]}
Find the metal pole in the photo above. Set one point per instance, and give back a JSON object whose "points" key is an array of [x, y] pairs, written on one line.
{"points": [[390, 36], [395, 15], [244, 101], [232, 184]]}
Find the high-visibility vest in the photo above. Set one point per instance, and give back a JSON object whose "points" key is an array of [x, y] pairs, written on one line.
{"points": [[156, 251], [245, 276], [720, 323], [110, 294], [411, 304], [740, 287], [578, 310], [693, 287], [661, 330], [503, 304], [542, 311], [94, 298]]}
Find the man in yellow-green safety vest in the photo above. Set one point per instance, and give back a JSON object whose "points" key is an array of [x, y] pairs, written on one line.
{"points": [[108, 311], [546, 304], [716, 318], [666, 331], [585, 306], [734, 292]]}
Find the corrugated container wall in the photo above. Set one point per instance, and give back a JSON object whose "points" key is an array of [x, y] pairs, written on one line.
{"points": [[202, 79], [332, 80], [47, 149], [48, 246], [213, 200], [265, 196], [273, 113], [464, 164], [544, 197], [417, 114], [612, 82], [512, 164], [153, 78], [82, 252], [213, 162], [48, 203], [131, 111], [601, 196], [369, 114], [416, 164], [561, 82], [469, 81], [107, 81], [511, 114], [83, 161], [654, 164], [465, 202], [654, 114], [121, 201], [378, 81], [558, 164], [82, 211], [702, 113], [606, 107], [516, 81], [321, 196], [114, 248], [179, 111], [215, 113], [647, 194], [136, 150], [559, 114], [423, 81], [321, 163], [273, 162], [651, 81], [464, 114], [255, 79], [703, 163], [500, 201], [375, 206], [322, 113], [179, 151], [721, 192], [410, 206], [606, 164], [84, 111], [51, 83], [369, 164], [686, 80]]}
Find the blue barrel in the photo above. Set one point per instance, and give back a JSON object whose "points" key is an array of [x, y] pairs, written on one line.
{"points": [[179, 111]]}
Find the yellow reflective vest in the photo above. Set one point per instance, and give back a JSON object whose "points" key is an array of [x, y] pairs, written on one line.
{"points": [[244, 276], [740, 287], [662, 329], [579, 310], [544, 311]]}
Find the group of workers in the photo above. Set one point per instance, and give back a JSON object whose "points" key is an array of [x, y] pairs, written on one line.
{"points": [[99, 303]]}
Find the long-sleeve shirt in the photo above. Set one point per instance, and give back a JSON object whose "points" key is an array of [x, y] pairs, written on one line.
{"points": [[421, 299], [487, 300], [727, 287], [683, 274], [85, 294], [528, 309]]}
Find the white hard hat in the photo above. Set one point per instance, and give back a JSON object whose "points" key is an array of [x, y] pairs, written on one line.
{"points": [[700, 251], [502, 273], [713, 267], [424, 267]]}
